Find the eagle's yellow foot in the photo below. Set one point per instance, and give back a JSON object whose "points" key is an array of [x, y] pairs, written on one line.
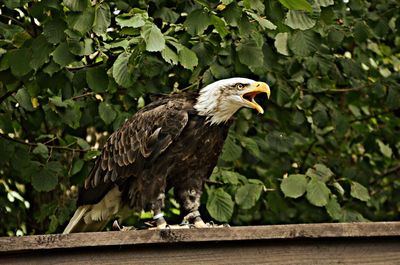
{"points": [[117, 227], [199, 223]]}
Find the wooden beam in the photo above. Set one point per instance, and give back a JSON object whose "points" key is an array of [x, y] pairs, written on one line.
{"points": [[137, 237], [356, 243]]}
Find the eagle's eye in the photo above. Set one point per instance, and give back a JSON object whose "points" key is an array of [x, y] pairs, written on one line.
{"points": [[239, 86]]}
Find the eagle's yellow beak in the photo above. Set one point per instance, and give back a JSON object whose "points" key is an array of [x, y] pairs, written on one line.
{"points": [[252, 91]]}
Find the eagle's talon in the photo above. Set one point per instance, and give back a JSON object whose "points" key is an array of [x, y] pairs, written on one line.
{"points": [[116, 226]]}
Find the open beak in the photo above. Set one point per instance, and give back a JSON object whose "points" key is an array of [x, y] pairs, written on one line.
{"points": [[252, 91]]}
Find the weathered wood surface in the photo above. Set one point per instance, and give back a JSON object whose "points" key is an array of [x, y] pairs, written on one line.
{"points": [[351, 243]]}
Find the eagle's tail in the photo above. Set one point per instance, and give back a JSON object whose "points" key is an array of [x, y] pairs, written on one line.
{"points": [[77, 223]]}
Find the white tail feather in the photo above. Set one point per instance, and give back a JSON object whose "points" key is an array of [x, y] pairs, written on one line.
{"points": [[78, 215]]}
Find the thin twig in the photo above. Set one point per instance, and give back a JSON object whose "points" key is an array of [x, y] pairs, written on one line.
{"points": [[371, 116], [391, 170], [62, 148], [308, 151], [13, 19], [6, 95], [83, 95]]}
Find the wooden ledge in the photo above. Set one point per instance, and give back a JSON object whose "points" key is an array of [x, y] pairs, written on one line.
{"points": [[242, 233]]}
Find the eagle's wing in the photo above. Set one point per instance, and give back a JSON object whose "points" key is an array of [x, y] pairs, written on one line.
{"points": [[141, 139]]}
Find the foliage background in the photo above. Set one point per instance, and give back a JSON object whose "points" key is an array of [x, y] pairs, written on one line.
{"points": [[326, 150]]}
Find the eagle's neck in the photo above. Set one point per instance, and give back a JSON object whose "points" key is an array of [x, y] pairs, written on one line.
{"points": [[210, 103]]}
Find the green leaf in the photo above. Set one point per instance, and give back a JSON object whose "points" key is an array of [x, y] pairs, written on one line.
{"points": [[187, 58], [321, 172], [219, 205], [361, 32], [264, 23], [53, 30], [24, 99], [384, 148], [299, 20], [135, 21], [231, 177], [97, 79], [120, 70], [251, 145], [317, 192], [53, 224], [46, 178], [62, 55], [281, 43], [231, 151], [303, 43], [102, 19], [153, 37], [219, 25], [169, 56], [358, 191], [83, 21], [77, 166], [107, 113], [297, 5], [76, 5], [41, 150], [197, 22], [18, 62], [294, 186], [250, 54], [247, 195], [41, 50], [333, 209]]}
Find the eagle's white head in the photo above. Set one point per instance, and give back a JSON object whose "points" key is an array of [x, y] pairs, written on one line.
{"points": [[220, 100]]}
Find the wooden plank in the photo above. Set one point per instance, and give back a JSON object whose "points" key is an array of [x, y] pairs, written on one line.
{"points": [[276, 251], [146, 237]]}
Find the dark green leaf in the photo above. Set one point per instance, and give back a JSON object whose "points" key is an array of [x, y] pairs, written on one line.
{"points": [[97, 79], [120, 70], [62, 55], [46, 178], [219, 205], [247, 195], [53, 30], [107, 113], [18, 59], [219, 25], [299, 20], [297, 5], [24, 99], [76, 5], [41, 150], [41, 50], [197, 21], [231, 151], [303, 43], [83, 21], [102, 19], [250, 54]]}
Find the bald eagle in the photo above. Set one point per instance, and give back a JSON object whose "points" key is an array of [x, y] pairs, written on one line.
{"points": [[172, 142]]}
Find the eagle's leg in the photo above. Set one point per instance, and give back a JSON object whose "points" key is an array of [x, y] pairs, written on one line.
{"points": [[158, 215], [190, 201]]}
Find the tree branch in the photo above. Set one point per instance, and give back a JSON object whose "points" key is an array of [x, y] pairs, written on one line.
{"points": [[5, 96], [61, 148]]}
